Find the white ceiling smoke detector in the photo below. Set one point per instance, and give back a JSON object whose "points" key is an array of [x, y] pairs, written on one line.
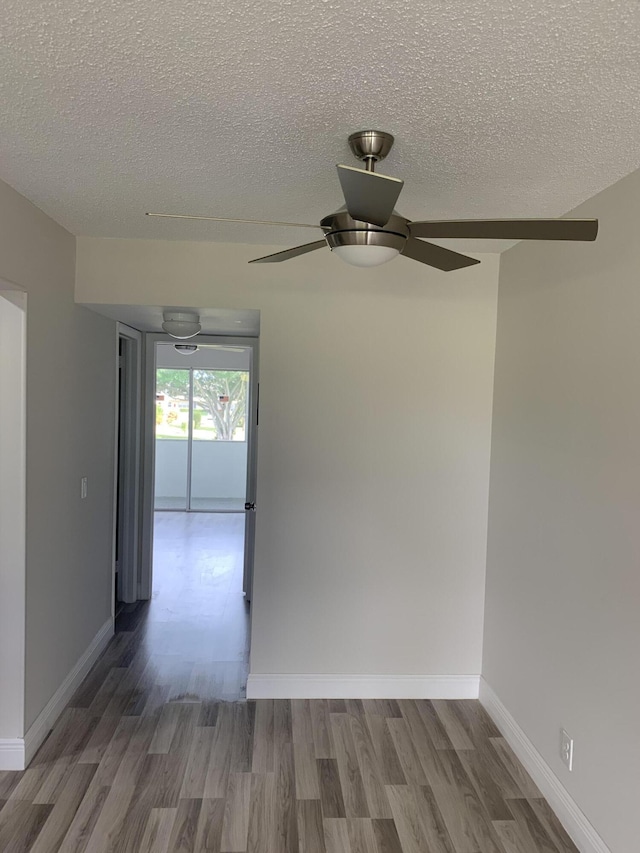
{"points": [[181, 325]]}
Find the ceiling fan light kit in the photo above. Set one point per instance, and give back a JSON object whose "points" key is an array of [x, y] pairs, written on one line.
{"points": [[181, 325], [365, 254], [368, 231], [365, 247]]}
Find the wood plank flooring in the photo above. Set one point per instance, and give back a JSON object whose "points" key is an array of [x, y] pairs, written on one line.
{"points": [[158, 752]]}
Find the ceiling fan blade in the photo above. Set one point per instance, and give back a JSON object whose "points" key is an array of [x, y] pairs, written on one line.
{"points": [[370, 197], [222, 348], [436, 256], [508, 229], [290, 253], [223, 219]]}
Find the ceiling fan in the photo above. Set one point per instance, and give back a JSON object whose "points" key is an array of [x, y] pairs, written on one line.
{"points": [[189, 349], [368, 231]]}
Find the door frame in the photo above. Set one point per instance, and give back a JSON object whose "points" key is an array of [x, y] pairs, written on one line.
{"points": [[127, 469], [148, 453], [13, 525]]}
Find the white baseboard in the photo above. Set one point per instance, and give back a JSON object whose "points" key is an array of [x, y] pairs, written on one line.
{"points": [[22, 750], [305, 686], [12, 753], [569, 814]]}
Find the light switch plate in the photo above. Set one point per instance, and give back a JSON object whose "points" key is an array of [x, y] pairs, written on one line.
{"points": [[566, 749], [83, 488]]}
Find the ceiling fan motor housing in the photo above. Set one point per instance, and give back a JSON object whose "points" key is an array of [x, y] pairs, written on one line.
{"points": [[341, 230]]}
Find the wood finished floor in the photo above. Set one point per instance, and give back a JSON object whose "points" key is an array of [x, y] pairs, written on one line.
{"points": [[158, 751]]}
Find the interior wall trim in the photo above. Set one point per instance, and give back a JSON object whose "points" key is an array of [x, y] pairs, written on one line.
{"points": [[12, 753], [565, 807], [56, 705], [311, 686]]}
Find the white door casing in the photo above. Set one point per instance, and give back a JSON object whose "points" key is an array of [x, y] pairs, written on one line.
{"points": [[128, 459], [13, 306], [148, 455]]}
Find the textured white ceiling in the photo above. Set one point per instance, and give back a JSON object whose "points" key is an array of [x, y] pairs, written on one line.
{"points": [[242, 109]]}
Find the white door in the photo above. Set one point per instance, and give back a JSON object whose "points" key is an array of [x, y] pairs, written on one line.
{"points": [[252, 463]]}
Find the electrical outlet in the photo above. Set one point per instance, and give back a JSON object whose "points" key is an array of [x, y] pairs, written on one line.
{"points": [[566, 749], [83, 488]]}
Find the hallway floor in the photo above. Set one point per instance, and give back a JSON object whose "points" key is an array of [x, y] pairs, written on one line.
{"points": [[158, 752], [198, 614]]}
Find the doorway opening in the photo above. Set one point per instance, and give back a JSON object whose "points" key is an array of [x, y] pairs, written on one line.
{"points": [[201, 428], [204, 418]]}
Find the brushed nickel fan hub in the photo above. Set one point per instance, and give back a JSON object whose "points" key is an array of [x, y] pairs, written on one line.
{"points": [[341, 230], [366, 238], [370, 145]]}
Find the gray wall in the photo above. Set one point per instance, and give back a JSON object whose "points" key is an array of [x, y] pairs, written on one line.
{"points": [[562, 624], [70, 434], [373, 446]]}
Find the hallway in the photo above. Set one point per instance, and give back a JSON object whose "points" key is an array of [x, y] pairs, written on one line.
{"points": [[198, 615], [158, 752]]}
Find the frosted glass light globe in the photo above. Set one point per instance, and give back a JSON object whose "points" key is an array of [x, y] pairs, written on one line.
{"points": [[366, 256], [180, 325]]}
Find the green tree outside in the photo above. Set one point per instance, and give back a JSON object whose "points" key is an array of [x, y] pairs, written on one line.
{"points": [[221, 393]]}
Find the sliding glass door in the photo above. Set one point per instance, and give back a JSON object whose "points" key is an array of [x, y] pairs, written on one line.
{"points": [[201, 440], [219, 445], [173, 407]]}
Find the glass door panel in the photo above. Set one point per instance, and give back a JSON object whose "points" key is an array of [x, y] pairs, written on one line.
{"points": [[172, 439], [219, 448]]}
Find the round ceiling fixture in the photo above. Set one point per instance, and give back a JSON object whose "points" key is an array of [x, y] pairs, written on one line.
{"points": [[362, 245], [181, 325], [366, 248], [185, 349]]}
